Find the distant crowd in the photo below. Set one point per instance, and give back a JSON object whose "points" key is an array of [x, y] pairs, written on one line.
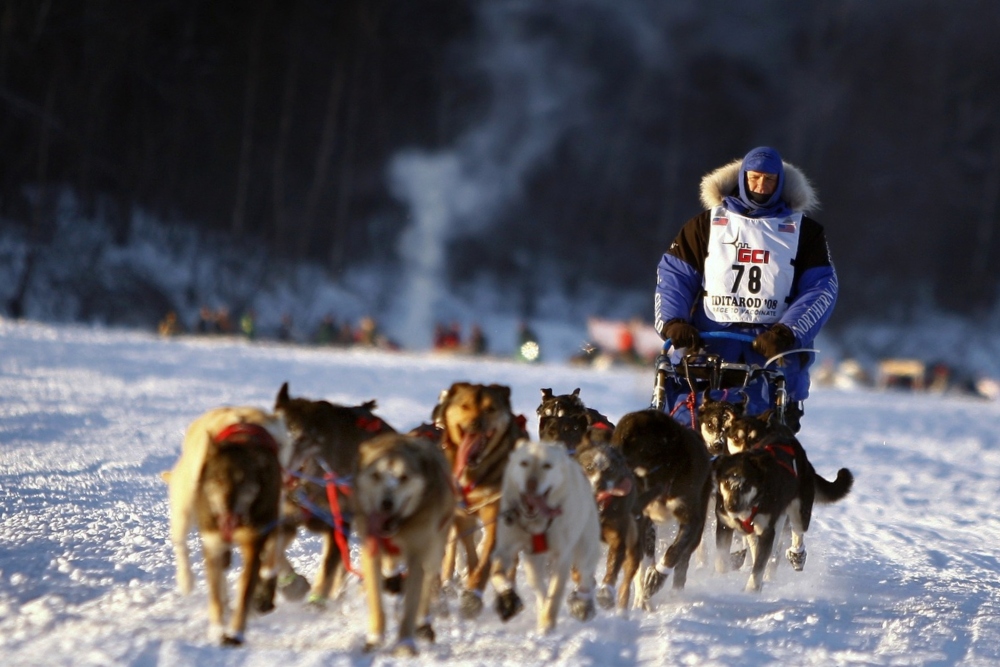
{"points": [[447, 338]]}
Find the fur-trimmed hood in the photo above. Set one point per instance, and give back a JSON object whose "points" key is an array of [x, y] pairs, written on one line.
{"points": [[798, 191]]}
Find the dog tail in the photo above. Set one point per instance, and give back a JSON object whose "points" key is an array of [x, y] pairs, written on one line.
{"points": [[831, 492]]}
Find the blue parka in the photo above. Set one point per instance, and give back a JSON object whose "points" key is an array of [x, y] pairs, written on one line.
{"points": [[680, 274]]}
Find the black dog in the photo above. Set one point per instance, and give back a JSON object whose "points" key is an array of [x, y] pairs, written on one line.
{"points": [[564, 418], [760, 485], [673, 471]]}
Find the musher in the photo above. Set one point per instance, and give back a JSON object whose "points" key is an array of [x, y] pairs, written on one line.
{"points": [[752, 263]]}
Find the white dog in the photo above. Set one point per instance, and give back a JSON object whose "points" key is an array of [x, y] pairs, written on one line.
{"points": [[548, 512], [185, 477]]}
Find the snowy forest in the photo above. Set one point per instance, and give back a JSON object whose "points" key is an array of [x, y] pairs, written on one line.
{"points": [[158, 155]]}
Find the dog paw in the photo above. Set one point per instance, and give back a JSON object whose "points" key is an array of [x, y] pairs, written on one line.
{"points": [[653, 582], [393, 584], [737, 558], [796, 558], [293, 587], [316, 601], [405, 648], [232, 639], [425, 633], [581, 607], [509, 605], [606, 596], [263, 597], [471, 604]]}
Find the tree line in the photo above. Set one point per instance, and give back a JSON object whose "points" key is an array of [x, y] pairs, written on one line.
{"points": [[274, 122]]}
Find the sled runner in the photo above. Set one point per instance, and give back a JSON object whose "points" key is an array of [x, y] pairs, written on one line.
{"points": [[698, 372]]}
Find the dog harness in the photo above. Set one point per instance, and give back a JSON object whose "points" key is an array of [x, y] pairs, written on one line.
{"points": [[784, 455], [747, 524], [243, 433]]}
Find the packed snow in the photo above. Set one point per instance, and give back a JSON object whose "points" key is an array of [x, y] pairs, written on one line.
{"points": [[903, 571]]}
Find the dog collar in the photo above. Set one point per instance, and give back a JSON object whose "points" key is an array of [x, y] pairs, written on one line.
{"points": [[539, 543], [747, 524]]}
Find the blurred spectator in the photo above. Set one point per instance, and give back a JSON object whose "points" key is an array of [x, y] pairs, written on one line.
{"points": [[170, 325], [223, 323], [345, 336], [477, 341], [285, 328], [367, 332], [326, 332], [248, 324], [206, 321]]}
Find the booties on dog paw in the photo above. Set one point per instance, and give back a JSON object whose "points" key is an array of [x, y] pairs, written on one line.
{"points": [[606, 596], [654, 580], [293, 587], [426, 633], [509, 605], [471, 604], [581, 607], [796, 558]]}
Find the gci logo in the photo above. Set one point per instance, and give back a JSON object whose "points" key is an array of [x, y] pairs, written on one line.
{"points": [[749, 256]]}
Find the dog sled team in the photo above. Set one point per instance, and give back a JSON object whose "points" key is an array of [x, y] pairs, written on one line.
{"points": [[472, 487]]}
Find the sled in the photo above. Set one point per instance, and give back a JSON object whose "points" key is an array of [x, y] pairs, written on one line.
{"points": [[701, 371]]}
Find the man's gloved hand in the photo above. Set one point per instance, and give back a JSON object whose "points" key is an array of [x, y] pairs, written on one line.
{"points": [[775, 340], [681, 334]]}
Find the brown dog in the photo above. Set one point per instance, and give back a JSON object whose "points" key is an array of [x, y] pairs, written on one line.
{"points": [[616, 494], [325, 438], [480, 432], [228, 480], [405, 504]]}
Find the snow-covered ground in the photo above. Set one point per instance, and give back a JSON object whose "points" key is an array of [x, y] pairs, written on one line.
{"points": [[904, 571]]}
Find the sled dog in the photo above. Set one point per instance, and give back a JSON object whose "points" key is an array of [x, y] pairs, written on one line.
{"points": [[404, 506], [480, 431], [227, 481], [758, 487], [325, 438], [671, 465], [714, 419], [616, 493], [564, 418], [548, 514]]}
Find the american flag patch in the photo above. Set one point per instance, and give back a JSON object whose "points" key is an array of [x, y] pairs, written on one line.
{"points": [[788, 227], [720, 221]]}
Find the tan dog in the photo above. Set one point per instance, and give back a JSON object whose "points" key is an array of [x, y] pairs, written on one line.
{"points": [[550, 516], [404, 507], [480, 432], [228, 478]]}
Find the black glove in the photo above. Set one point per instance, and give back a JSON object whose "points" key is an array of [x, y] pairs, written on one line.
{"points": [[681, 334], [775, 340]]}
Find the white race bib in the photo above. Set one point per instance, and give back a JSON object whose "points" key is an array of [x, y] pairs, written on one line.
{"points": [[749, 268]]}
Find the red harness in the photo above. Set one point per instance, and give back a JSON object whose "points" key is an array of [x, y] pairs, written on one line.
{"points": [[242, 433], [784, 455], [747, 524], [371, 424]]}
